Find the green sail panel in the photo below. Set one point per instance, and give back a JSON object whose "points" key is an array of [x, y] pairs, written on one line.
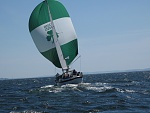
{"points": [[41, 32], [40, 15], [53, 57]]}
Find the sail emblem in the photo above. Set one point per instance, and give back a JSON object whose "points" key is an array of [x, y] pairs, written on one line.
{"points": [[50, 36], [67, 58]]}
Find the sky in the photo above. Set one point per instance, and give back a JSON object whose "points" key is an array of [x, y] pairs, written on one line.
{"points": [[113, 35]]}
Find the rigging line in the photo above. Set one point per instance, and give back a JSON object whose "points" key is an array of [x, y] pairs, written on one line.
{"points": [[80, 64], [76, 59]]}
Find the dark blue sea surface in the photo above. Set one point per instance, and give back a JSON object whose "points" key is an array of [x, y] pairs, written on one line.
{"points": [[127, 92]]}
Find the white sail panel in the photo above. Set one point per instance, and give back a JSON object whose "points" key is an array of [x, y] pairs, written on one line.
{"points": [[66, 33]]}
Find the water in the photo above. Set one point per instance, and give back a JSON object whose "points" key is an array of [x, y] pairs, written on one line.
{"points": [[101, 93]]}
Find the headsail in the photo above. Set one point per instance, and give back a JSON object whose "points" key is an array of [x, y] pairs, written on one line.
{"points": [[40, 28]]}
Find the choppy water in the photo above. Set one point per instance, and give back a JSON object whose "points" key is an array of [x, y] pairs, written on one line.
{"points": [[106, 93]]}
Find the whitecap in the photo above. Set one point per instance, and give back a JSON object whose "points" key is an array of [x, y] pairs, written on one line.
{"points": [[120, 90], [97, 87], [135, 82], [51, 88], [129, 97], [125, 90], [30, 111], [69, 86], [48, 86], [101, 89], [129, 91]]}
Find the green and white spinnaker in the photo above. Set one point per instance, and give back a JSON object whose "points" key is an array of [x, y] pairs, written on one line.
{"points": [[40, 27]]}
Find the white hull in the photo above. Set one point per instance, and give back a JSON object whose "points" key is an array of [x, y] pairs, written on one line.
{"points": [[74, 81], [71, 80]]}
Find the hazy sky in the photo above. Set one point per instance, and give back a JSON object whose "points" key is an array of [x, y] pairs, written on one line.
{"points": [[113, 35]]}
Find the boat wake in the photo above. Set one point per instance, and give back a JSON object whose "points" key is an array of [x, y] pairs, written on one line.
{"points": [[84, 87]]}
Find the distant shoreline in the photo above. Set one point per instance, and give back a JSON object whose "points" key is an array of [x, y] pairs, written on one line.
{"points": [[88, 73], [4, 78], [119, 71]]}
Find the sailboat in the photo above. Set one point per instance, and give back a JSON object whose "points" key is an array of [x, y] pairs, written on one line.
{"points": [[54, 35]]}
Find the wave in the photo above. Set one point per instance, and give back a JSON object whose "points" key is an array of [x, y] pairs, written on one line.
{"points": [[96, 87], [83, 87], [26, 111]]}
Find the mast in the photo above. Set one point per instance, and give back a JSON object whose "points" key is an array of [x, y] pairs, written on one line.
{"points": [[57, 44]]}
